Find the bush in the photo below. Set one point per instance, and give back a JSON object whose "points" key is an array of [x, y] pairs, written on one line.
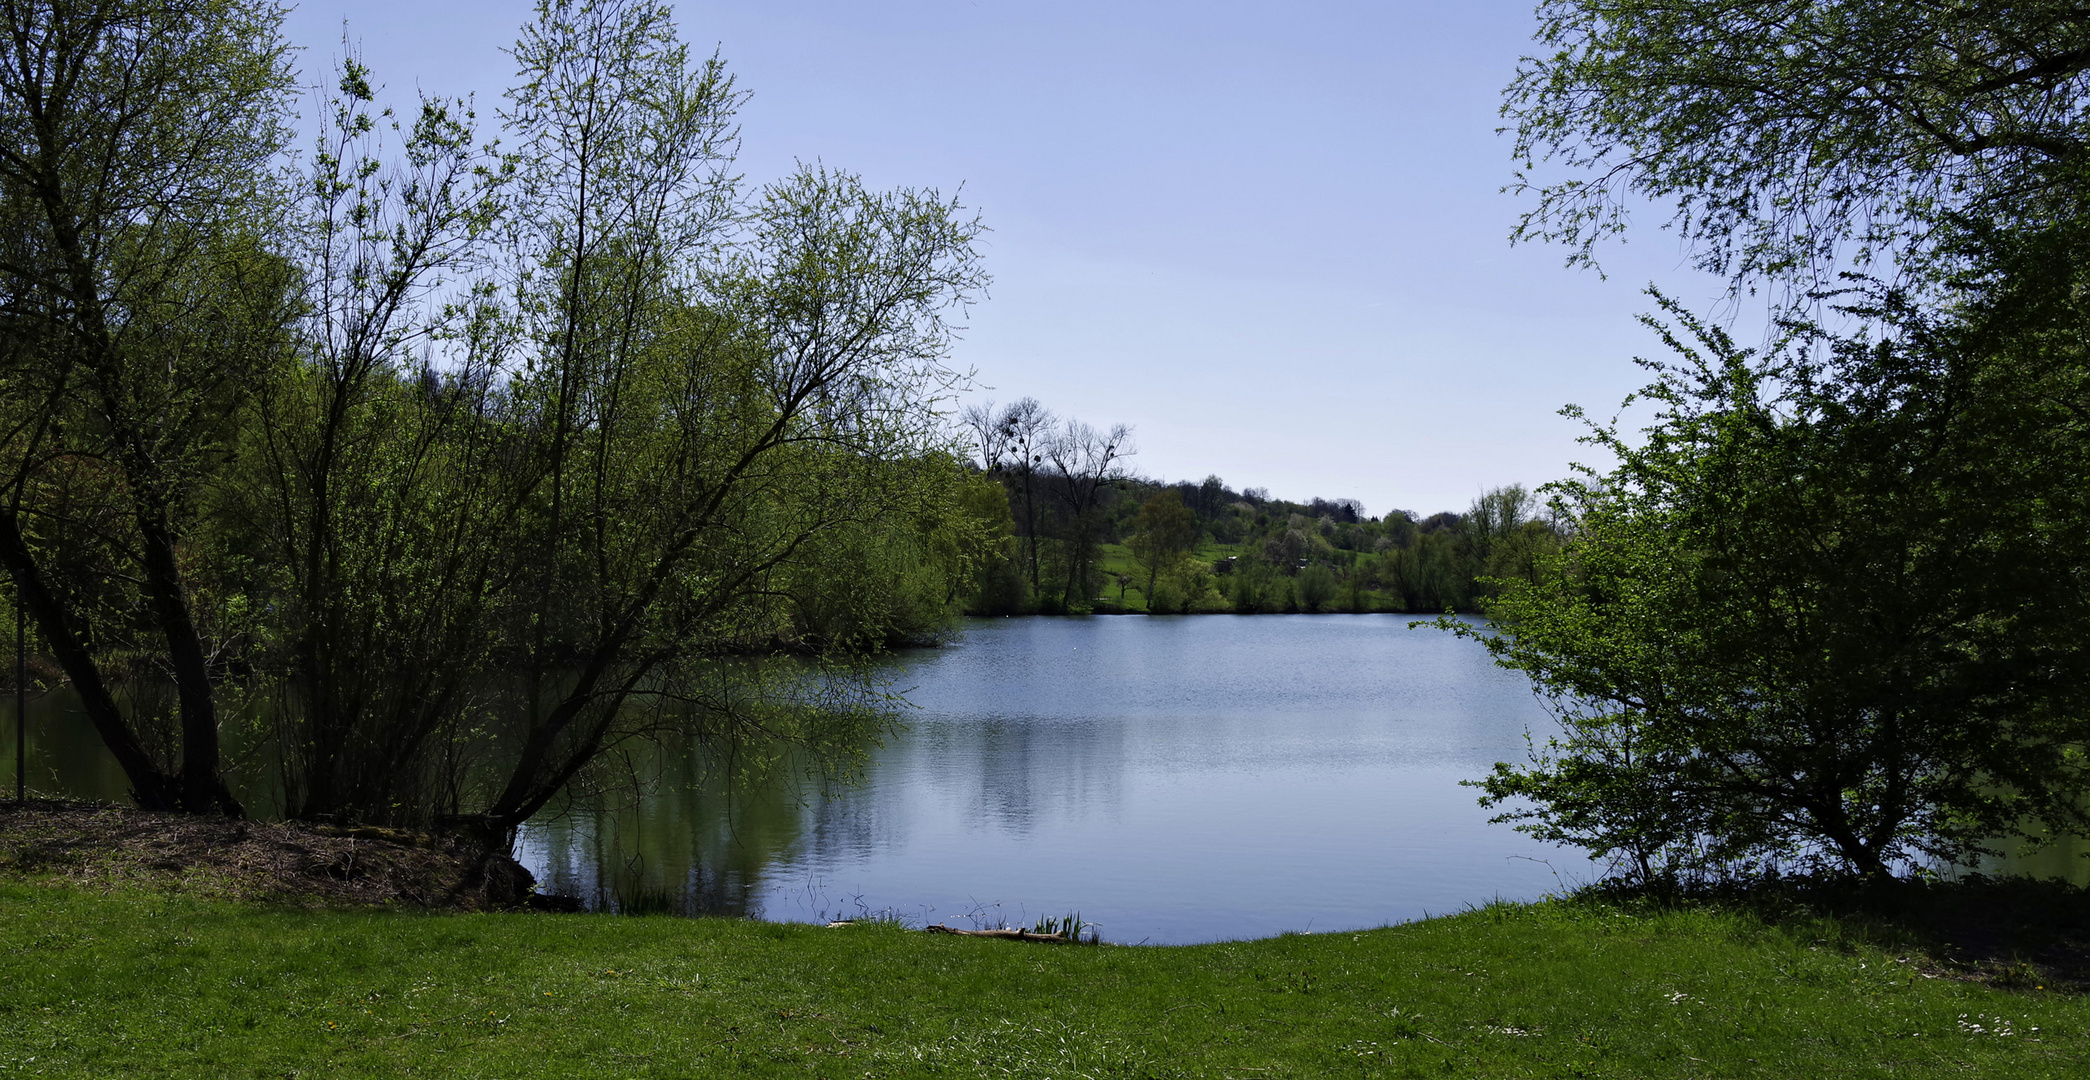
{"points": [[1316, 587]]}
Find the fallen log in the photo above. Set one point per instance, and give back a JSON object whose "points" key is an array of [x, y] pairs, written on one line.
{"points": [[1007, 934]]}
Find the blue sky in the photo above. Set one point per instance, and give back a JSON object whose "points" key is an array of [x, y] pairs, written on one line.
{"points": [[1269, 237]]}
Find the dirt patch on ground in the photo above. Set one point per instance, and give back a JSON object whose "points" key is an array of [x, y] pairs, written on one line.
{"points": [[271, 862]]}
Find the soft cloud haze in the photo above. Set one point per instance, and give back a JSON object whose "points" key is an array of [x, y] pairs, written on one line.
{"points": [[1271, 238]]}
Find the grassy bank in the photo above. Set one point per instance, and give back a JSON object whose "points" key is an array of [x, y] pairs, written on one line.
{"points": [[135, 983]]}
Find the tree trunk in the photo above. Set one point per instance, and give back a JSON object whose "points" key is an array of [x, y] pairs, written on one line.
{"points": [[152, 788], [202, 786]]}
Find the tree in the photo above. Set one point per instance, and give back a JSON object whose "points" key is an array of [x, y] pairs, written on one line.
{"points": [[1825, 612], [996, 572], [144, 305], [1796, 140], [579, 436], [1314, 587], [481, 462], [983, 425], [1164, 532], [1284, 549], [1018, 441], [701, 425], [1500, 538], [1821, 612], [383, 484], [1086, 460]]}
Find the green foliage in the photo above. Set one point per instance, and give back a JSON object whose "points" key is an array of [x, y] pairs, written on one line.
{"points": [[1823, 614], [1253, 588], [1163, 533], [999, 584], [1254, 551], [144, 298], [1796, 139], [1315, 587], [1430, 574], [478, 461]]}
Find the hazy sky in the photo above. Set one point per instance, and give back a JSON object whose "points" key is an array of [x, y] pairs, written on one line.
{"points": [[1269, 237]]}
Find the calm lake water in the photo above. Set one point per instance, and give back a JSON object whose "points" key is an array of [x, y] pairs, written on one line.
{"points": [[1171, 779]]}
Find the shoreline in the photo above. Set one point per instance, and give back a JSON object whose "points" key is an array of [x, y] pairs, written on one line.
{"points": [[104, 845]]}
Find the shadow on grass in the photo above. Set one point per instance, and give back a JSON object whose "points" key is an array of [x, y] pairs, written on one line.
{"points": [[2010, 932]]}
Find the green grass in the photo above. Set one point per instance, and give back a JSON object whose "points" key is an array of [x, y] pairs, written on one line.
{"points": [[1117, 559], [146, 985]]}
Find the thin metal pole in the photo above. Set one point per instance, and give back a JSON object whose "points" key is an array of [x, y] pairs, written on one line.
{"points": [[21, 701]]}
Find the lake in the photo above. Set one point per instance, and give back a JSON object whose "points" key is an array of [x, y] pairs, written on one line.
{"points": [[1171, 779]]}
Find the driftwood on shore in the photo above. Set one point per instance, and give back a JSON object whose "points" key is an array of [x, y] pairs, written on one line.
{"points": [[1009, 934]]}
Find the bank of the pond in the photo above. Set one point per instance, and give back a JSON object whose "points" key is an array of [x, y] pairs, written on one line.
{"points": [[134, 983], [96, 846]]}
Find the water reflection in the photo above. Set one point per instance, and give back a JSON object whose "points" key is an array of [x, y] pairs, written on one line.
{"points": [[1173, 779], [699, 841], [2066, 857], [1011, 773], [66, 758]]}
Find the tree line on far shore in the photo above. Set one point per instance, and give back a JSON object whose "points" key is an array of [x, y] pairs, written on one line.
{"points": [[1058, 495]]}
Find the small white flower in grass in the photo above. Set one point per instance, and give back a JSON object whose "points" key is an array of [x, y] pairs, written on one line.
{"points": [[1984, 1024], [1678, 998]]}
